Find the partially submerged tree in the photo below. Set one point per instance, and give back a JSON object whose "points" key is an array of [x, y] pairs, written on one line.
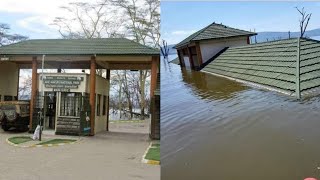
{"points": [[6, 37], [164, 49], [304, 21]]}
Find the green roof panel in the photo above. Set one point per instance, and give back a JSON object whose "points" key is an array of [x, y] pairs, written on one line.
{"points": [[214, 31], [272, 64], [101, 46]]}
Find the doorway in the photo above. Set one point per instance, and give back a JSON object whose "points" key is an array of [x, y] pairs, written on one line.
{"points": [[50, 110]]}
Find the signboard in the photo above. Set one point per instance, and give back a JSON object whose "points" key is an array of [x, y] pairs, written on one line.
{"points": [[4, 59], [62, 83]]}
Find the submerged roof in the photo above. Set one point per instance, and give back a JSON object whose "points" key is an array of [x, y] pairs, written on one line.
{"points": [[214, 31], [272, 64], [103, 46]]}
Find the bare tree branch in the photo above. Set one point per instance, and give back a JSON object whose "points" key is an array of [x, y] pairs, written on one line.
{"points": [[304, 21]]}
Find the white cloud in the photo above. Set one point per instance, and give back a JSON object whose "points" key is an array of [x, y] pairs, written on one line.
{"points": [[29, 23], [183, 32], [44, 7], [37, 15], [174, 37]]}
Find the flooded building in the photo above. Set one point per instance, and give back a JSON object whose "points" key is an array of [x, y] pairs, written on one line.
{"points": [[74, 103], [290, 66], [203, 46]]}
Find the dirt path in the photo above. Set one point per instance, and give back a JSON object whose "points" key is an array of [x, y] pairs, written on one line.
{"points": [[104, 156]]}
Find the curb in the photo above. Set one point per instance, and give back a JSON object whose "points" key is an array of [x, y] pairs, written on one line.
{"points": [[147, 161], [44, 145]]}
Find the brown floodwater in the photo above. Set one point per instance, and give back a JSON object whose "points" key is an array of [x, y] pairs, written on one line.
{"points": [[217, 129]]}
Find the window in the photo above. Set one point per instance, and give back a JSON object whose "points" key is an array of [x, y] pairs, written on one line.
{"points": [[8, 98], [104, 105], [98, 104], [70, 104]]}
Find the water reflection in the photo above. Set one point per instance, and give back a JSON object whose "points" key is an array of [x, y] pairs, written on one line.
{"points": [[214, 128], [206, 85]]}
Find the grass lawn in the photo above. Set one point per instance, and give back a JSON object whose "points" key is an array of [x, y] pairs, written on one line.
{"points": [[57, 141], [153, 153], [20, 139]]}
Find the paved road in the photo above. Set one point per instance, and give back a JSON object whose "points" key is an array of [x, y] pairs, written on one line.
{"points": [[132, 127], [105, 156]]}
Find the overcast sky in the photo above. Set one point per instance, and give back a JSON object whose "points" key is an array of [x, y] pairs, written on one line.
{"points": [[180, 19], [32, 17]]}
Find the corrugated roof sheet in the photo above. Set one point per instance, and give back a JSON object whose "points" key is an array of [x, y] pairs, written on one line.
{"points": [[272, 64], [103, 46], [214, 31]]}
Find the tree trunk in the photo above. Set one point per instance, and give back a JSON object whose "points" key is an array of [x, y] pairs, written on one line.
{"points": [[127, 92], [142, 79]]}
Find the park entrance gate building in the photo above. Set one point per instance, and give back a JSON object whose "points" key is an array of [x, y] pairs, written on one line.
{"points": [[75, 102]]}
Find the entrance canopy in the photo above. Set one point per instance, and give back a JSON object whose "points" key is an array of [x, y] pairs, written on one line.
{"points": [[105, 53], [110, 53]]}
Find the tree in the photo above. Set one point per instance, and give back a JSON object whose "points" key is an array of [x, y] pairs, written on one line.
{"points": [[89, 20], [164, 49], [142, 20], [304, 21], [143, 25], [25, 87], [7, 38], [135, 19]]}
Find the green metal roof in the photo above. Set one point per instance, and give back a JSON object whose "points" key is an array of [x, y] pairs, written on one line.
{"points": [[214, 31], [103, 46], [272, 64]]}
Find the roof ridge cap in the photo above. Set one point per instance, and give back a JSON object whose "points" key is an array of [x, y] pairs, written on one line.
{"points": [[201, 30]]}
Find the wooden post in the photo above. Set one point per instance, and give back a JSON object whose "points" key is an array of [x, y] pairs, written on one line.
{"points": [[154, 70], [181, 59], [33, 89], [17, 83], [199, 55], [298, 71], [190, 58], [59, 70], [248, 39], [108, 100], [92, 92]]}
